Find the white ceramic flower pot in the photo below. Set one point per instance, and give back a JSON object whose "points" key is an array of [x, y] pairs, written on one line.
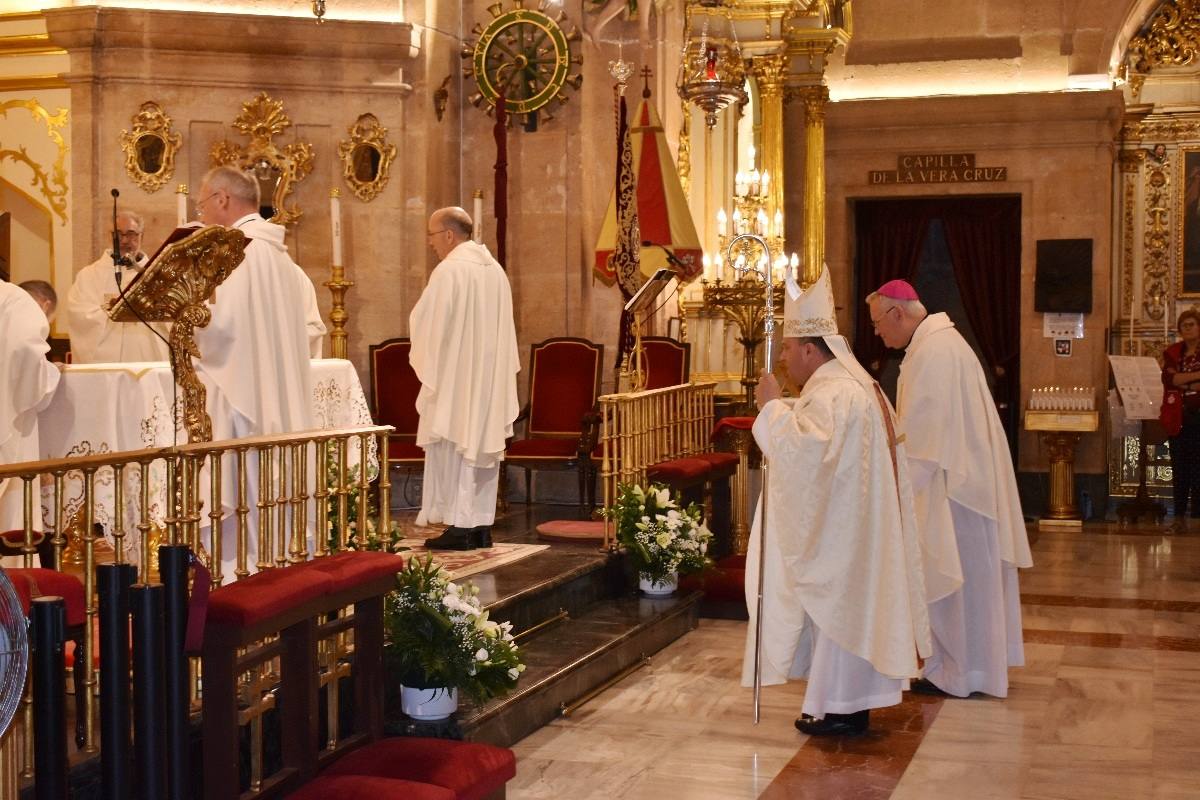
{"points": [[428, 704], [649, 587]]}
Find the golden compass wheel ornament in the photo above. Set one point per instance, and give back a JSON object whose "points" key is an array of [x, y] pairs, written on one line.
{"points": [[525, 55]]}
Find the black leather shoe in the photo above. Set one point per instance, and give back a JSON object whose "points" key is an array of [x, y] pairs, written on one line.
{"points": [[855, 724], [924, 686], [453, 539], [482, 536]]}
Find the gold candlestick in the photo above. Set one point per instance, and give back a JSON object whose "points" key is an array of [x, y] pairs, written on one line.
{"points": [[338, 285]]}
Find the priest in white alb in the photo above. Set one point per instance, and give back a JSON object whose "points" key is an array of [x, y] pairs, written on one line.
{"points": [[94, 337], [27, 384], [255, 351], [962, 475], [464, 351], [843, 593]]}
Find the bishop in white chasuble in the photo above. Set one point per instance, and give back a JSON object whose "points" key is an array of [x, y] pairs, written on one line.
{"points": [[843, 597]]}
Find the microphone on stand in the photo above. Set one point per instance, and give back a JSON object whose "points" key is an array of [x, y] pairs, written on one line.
{"points": [[671, 257], [116, 242]]}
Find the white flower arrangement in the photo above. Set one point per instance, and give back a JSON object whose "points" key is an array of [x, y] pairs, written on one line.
{"points": [[661, 537], [439, 635]]}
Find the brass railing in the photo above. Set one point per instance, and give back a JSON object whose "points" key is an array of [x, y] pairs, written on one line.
{"points": [[639, 429], [276, 482]]}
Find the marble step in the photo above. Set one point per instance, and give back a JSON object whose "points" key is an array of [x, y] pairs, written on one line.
{"points": [[533, 590], [569, 659]]}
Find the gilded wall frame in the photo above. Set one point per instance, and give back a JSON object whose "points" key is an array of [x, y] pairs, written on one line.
{"points": [[366, 157], [150, 147], [277, 169], [1187, 225]]}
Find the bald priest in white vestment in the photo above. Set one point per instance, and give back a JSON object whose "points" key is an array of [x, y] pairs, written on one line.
{"points": [[27, 384], [263, 331], [464, 351], [94, 337], [843, 595], [973, 531]]}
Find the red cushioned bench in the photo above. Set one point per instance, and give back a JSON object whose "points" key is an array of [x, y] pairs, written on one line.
{"points": [[695, 476], [298, 604]]}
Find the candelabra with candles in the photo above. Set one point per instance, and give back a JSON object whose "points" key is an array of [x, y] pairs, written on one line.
{"points": [[751, 214], [740, 299]]}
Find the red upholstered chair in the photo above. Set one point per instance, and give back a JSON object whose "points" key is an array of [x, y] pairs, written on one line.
{"points": [[666, 361], [564, 383], [394, 389], [12, 543]]}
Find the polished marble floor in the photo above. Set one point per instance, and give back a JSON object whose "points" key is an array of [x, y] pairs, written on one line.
{"points": [[1107, 706]]}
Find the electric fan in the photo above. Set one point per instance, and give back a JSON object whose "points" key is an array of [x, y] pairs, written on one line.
{"points": [[14, 651]]}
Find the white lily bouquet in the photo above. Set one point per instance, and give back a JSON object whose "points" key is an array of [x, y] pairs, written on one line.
{"points": [[438, 635], [662, 538]]}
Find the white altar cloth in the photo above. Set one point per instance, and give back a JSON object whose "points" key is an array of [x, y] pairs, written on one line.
{"points": [[107, 408]]}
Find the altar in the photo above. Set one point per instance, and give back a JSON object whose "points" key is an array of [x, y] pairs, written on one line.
{"points": [[108, 408]]}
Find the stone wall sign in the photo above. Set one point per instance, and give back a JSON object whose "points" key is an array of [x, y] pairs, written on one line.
{"points": [[937, 168]]}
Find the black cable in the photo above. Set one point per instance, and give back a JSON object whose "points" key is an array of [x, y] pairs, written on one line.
{"points": [[170, 350], [660, 306]]}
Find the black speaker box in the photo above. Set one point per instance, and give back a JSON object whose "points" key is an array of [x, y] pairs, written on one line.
{"points": [[1063, 283]]}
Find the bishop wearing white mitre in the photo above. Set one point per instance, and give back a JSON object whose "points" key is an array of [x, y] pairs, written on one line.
{"points": [[843, 596]]}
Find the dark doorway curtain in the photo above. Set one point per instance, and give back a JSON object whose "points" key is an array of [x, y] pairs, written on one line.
{"points": [[889, 236], [984, 238]]}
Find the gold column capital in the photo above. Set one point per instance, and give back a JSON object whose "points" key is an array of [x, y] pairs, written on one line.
{"points": [[769, 73], [813, 96]]}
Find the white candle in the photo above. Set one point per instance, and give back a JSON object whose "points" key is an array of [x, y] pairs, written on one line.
{"points": [[779, 223], [477, 216], [720, 268], [722, 222], [335, 215], [707, 262], [181, 215]]}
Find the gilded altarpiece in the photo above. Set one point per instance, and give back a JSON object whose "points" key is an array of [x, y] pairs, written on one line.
{"points": [[1157, 197], [1159, 157]]}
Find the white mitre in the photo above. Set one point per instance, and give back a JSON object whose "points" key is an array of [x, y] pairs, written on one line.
{"points": [[811, 312]]}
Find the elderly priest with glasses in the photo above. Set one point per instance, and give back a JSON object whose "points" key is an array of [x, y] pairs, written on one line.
{"points": [[843, 594], [464, 351]]}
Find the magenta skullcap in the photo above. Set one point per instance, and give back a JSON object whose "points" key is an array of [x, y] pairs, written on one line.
{"points": [[898, 290]]}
